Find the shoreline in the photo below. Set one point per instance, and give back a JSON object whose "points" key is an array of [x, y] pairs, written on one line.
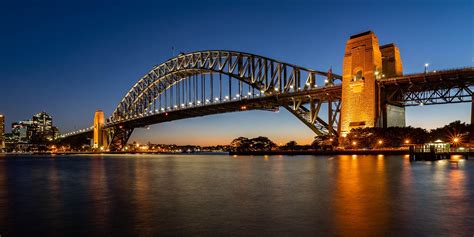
{"points": [[235, 153], [334, 152]]}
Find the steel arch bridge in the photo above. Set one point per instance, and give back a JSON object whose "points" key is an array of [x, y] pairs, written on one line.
{"points": [[219, 81]]}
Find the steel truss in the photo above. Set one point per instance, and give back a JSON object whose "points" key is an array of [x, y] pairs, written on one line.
{"points": [[206, 78], [453, 86]]}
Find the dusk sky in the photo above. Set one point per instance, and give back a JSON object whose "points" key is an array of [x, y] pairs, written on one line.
{"points": [[70, 58]]}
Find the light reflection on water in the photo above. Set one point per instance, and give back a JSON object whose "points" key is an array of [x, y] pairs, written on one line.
{"points": [[219, 194]]}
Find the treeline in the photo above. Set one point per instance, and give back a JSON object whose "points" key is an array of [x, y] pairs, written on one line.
{"points": [[455, 133], [369, 138]]}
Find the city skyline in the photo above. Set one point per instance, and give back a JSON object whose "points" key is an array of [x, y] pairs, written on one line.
{"points": [[63, 77]]}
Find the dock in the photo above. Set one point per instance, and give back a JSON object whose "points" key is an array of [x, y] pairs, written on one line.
{"points": [[432, 153]]}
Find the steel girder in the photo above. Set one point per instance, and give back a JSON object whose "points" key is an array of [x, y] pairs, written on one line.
{"points": [[118, 137], [451, 86]]}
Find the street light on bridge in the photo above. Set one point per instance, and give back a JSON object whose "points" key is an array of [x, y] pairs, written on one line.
{"points": [[426, 67]]}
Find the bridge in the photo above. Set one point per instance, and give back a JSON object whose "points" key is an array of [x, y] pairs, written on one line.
{"points": [[371, 92]]}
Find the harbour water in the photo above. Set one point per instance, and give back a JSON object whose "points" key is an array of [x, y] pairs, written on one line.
{"points": [[209, 194]]}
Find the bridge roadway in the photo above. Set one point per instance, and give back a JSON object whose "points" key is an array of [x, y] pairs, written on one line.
{"points": [[267, 102]]}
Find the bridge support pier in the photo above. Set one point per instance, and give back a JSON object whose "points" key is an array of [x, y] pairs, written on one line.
{"points": [[366, 64], [100, 135]]}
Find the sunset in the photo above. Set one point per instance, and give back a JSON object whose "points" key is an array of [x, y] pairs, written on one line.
{"points": [[216, 118]]}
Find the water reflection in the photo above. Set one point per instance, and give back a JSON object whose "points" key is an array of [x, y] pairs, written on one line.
{"points": [[217, 195], [361, 198], [99, 194]]}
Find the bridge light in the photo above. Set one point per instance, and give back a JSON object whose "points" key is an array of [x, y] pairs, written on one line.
{"points": [[216, 99], [276, 88], [407, 141], [291, 86], [207, 100], [326, 81], [237, 95], [226, 97], [250, 93], [421, 104], [198, 102], [307, 83], [262, 91], [191, 103], [182, 105], [175, 106], [162, 109], [380, 142], [315, 85]]}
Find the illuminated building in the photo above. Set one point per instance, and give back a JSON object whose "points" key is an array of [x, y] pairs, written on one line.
{"points": [[22, 131], [38, 130], [43, 126]]}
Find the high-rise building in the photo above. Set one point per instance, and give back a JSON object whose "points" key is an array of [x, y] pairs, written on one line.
{"points": [[2, 131], [43, 126], [22, 131]]}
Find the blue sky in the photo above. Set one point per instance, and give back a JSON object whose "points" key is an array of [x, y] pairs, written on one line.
{"points": [[70, 58]]}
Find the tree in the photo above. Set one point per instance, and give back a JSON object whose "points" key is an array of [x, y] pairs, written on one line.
{"points": [[240, 144], [291, 145], [448, 133], [262, 144]]}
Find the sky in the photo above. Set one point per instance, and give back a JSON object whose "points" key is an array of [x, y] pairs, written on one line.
{"points": [[69, 58]]}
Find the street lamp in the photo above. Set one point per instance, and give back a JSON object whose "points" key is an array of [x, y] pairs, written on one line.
{"points": [[456, 141], [380, 142], [426, 67]]}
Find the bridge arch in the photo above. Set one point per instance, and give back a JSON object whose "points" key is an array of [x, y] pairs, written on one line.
{"points": [[265, 75]]}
